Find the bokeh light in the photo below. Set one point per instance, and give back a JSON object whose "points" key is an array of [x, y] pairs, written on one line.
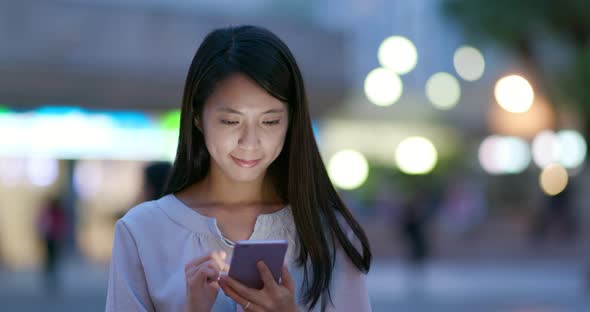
{"points": [[545, 148], [514, 94], [504, 155], [171, 120], [526, 125], [443, 90], [416, 155], [348, 169], [88, 178], [553, 179], [398, 54], [573, 148], [122, 135], [383, 87], [469, 63], [42, 171], [566, 147], [12, 171]]}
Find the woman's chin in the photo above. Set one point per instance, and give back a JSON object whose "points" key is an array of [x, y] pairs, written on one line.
{"points": [[247, 177]]}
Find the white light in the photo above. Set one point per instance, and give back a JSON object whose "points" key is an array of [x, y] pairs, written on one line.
{"points": [[489, 155], [443, 90], [42, 171], [520, 154], [348, 169], [567, 148], [514, 94], [12, 171], [504, 155], [469, 63], [553, 179], [88, 178], [81, 136], [572, 148], [383, 87], [398, 54], [416, 155], [546, 149]]}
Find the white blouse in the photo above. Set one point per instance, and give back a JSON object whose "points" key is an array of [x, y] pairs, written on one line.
{"points": [[155, 240]]}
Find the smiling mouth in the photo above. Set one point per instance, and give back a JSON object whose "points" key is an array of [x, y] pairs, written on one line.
{"points": [[246, 163]]}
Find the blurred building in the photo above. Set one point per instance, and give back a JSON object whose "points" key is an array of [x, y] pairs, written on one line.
{"points": [[90, 92]]}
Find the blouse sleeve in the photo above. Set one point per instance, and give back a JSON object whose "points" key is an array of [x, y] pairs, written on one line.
{"points": [[127, 287], [349, 286]]}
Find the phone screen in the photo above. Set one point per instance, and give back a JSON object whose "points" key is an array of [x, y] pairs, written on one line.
{"points": [[247, 253]]}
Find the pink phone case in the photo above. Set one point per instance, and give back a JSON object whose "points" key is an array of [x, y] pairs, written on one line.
{"points": [[248, 252]]}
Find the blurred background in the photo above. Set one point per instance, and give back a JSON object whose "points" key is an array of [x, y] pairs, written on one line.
{"points": [[455, 130]]}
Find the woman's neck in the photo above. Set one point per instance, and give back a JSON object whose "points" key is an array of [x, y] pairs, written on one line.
{"points": [[230, 192], [227, 194]]}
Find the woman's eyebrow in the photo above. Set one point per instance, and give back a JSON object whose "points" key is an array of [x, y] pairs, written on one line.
{"points": [[229, 110], [233, 111], [274, 110]]}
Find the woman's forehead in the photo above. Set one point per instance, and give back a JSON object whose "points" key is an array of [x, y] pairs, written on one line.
{"points": [[239, 94], [229, 109]]}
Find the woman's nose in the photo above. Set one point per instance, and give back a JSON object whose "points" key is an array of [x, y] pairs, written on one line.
{"points": [[249, 138]]}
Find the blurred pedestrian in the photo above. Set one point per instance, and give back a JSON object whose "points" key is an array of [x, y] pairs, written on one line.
{"points": [[413, 224], [52, 226], [155, 176], [556, 217]]}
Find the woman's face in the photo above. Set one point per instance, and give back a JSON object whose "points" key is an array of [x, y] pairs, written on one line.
{"points": [[244, 128]]}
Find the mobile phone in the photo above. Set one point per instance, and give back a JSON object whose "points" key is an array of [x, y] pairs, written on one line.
{"points": [[248, 252]]}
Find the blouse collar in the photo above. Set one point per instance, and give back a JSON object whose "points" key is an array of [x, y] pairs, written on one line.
{"points": [[198, 223]]}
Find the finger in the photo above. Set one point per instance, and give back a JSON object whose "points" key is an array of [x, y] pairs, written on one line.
{"points": [[287, 280], [192, 271], [194, 279], [199, 281], [211, 264], [226, 268], [237, 298], [207, 274], [207, 264], [215, 265], [196, 262], [219, 255], [266, 276], [242, 290], [219, 258]]}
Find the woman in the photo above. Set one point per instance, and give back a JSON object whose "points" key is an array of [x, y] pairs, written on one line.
{"points": [[247, 167]]}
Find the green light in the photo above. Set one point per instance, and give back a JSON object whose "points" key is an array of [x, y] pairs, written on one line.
{"points": [[4, 110], [171, 120]]}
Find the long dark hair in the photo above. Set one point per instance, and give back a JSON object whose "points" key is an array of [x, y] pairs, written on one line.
{"points": [[303, 182]]}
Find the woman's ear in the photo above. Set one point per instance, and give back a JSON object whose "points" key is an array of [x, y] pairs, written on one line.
{"points": [[197, 123]]}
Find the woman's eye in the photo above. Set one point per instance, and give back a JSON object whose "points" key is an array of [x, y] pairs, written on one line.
{"points": [[272, 122], [228, 122]]}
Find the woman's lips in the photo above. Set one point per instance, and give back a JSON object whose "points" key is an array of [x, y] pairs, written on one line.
{"points": [[246, 163]]}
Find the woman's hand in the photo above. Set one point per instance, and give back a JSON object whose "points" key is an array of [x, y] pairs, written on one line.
{"points": [[202, 275], [272, 297]]}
